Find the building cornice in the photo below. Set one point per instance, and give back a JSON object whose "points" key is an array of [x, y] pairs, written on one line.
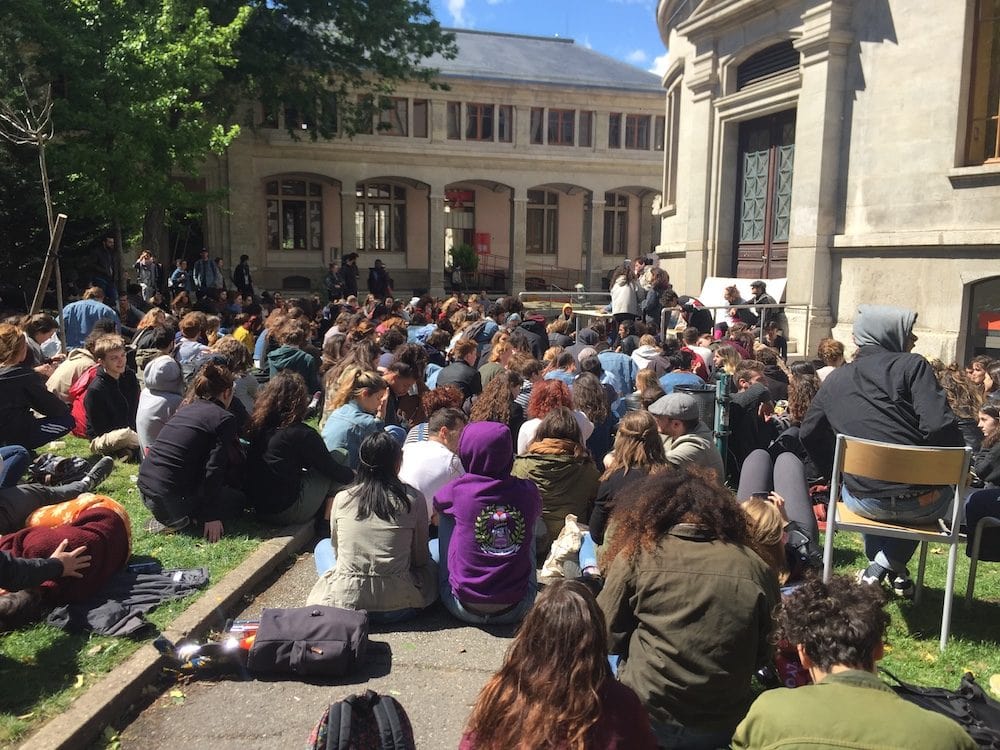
{"points": [[713, 17]]}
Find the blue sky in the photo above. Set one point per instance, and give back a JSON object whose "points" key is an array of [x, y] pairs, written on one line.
{"points": [[624, 29]]}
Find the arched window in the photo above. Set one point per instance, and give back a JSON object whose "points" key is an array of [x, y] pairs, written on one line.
{"points": [[380, 218], [294, 214], [771, 61]]}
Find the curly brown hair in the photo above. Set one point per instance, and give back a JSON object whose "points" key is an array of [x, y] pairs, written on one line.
{"points": [[442, 397], [687, 494], [590, 398], [495, 403], [281, 403], [545, 695], [546, 396], [802, 390]]}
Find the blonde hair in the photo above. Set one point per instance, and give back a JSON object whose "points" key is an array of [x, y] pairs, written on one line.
{"points": [[11, 343], [767, 528], [645, 378], [354, 383], [647, 340], [731, 358], [107, 344]]}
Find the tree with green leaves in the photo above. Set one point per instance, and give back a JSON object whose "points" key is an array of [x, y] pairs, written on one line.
{"points": [[147, 91]]}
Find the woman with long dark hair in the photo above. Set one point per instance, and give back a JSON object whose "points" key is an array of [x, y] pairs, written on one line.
{"points": [[555, 689], [192, 470], [689, 603], [377, 557], [291, 475], [590, 398]]}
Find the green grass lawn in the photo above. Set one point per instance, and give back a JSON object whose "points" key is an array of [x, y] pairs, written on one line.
{"points": [[43, 669]]}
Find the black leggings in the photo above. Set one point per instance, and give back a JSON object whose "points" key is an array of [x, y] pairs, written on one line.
{"points": [[787, 477]]}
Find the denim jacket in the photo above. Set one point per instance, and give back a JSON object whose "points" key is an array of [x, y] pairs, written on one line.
{"points": [[346, 427]]}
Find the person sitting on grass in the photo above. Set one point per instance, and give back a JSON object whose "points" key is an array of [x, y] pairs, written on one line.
{"points": [[377, 556], [111, 402], [291, 476], [162, 392], [192, 352], [191, 471], [358, 411], [23, 396], [292, 336], [838, 629], [77, 362], [555, 688], [17, 502]]}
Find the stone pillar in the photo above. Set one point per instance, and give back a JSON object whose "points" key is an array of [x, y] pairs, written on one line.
{"points": [[823, 45], [348, 204], [596, 265], [518, 240], [435, 243], [703, 82]]}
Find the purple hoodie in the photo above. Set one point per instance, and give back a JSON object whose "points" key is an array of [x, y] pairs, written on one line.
{"points": [[489, 555]]}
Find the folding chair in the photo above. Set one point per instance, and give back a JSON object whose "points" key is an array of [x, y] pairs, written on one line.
{"points": [[905, 465], [983, 505]]}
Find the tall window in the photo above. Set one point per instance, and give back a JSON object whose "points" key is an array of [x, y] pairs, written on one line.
{"points": [[615, 224], [637, 132], [294, 214], [419, 118], [561, 127], [380, 218], [454, 121], [479, 122], [671, 138], [393, 119], [983, 142], [586, 129], [615, 130], [537, 118], [543, 222], [505, 123], [659, 132]]}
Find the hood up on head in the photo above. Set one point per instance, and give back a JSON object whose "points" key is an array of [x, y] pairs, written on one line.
{"points": [[163, 374], [486, 449], [884, 326], [587, 336]]}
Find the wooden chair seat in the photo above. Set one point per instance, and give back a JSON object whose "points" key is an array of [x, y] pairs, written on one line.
{"points": [[846, 517]]}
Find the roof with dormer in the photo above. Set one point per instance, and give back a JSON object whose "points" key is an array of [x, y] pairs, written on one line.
{"points": [[546, 61]]}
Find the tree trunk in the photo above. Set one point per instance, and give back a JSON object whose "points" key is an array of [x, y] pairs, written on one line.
{"points": [[154, 233], [119, 251]]}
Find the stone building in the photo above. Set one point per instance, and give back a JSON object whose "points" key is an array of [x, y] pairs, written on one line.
{"points": [[543, 154], [851, 146]]}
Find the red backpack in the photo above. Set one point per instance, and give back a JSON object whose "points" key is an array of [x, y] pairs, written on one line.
{"points": [[76, 393]]}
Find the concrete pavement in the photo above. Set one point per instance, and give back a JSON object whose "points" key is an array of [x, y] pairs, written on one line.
{"points": [[434, 666]]}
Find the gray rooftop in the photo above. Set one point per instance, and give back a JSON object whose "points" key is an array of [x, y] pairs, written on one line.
{"points": [[551, 61]]}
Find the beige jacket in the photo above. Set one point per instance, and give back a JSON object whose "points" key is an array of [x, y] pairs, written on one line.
{"points": [[76, 363], [381, 566]]}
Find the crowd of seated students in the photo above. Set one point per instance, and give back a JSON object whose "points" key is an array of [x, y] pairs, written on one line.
{"points": [[452, 446]]}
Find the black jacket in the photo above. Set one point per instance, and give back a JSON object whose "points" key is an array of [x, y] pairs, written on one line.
{"points": [[276, 460], [379, 283], [111, 404], [196, 453], [986, 465], [464, 377], [888, 396], [242, 278], [21, 390], [350, 273], [18, 573]]}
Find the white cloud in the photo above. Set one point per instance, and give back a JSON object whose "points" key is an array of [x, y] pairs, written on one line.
{"points": [[637, 56], [457, 10], [660, 63], [495, 2]]}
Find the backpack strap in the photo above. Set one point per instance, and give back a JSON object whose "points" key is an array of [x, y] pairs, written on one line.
{"points": [[390, 725], [338, 723]]}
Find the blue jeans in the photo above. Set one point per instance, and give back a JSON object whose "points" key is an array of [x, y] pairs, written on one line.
{"points": [[16, 461], [326, 559], [588, 552], [439, 552], [889, 552]]}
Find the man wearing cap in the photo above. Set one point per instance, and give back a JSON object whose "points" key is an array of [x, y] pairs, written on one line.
{"points": [[761, 297], [379, 282], [686, 439]]}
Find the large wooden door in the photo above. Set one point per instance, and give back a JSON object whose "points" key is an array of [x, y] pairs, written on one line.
{"points": [[764, 197]]}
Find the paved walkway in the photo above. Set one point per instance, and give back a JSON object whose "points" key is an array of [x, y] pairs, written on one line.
{"points": [[434, 666]]}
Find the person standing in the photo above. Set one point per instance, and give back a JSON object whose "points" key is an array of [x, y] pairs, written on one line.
{"points": [[890, 395], [149, 274], [206, 275], [242, 277], [333, 282], [379, 283], [349, 273]]}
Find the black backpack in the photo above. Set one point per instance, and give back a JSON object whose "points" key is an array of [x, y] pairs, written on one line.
{"points": [[54, 470], [363, 722]]}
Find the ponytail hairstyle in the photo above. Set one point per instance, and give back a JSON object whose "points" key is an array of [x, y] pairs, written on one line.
{"points": [[209, 383], [377, 485], [354, 383]]}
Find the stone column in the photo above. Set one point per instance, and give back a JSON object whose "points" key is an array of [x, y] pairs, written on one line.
{"points": [[435, 242], [596, 264], [348, 204], [518, 240], [823, 44]]}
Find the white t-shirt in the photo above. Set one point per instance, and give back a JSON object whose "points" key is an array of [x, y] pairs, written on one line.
{"points": [[526, 435], [428, 466]]}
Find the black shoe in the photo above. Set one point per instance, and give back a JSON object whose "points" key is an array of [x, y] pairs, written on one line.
{"points": [[903, 586], [874, 574], [99, 472]]}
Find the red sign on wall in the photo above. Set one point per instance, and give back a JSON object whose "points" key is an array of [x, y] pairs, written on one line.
{"points": [[483, 243]]}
